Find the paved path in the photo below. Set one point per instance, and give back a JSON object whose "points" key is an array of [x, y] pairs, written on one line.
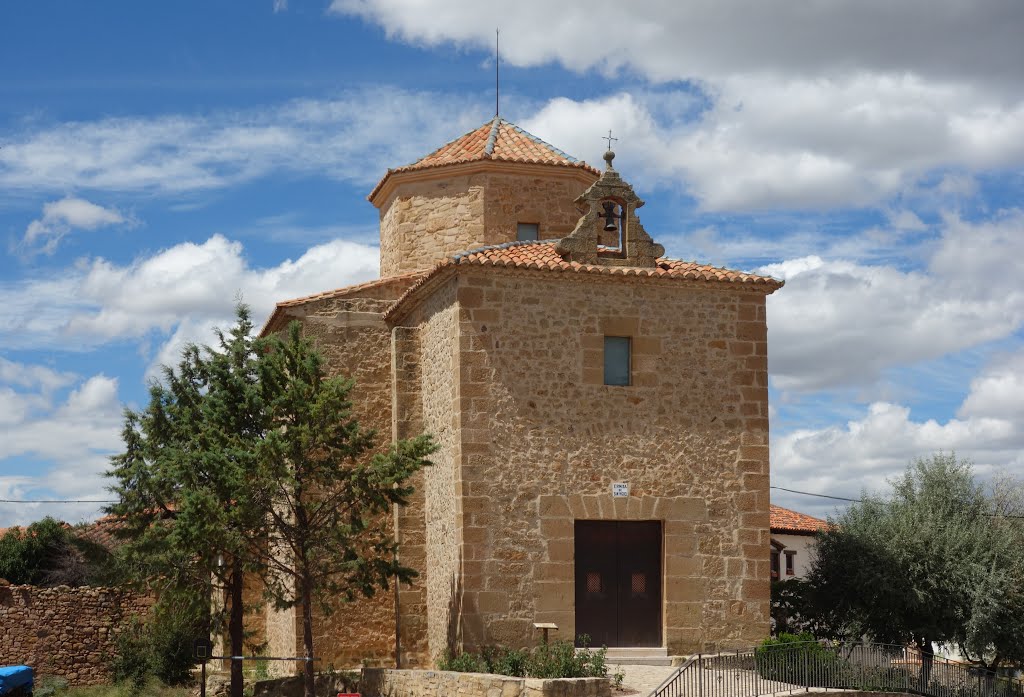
{"points": [[640, 680]]}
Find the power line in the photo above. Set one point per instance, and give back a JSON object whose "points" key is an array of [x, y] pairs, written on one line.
{"points": [[823, 496], [843, 498]]}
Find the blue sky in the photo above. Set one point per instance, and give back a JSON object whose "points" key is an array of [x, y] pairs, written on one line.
{"points": [[158, 160]]}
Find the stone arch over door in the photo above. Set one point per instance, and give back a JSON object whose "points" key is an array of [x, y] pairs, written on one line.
{"points": [[683, 587]]}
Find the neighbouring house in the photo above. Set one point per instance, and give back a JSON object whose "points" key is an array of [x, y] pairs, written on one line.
{"points": [[601, 411], [792, 542]]}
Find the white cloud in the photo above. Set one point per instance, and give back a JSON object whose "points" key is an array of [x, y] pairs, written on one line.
{"points": [[60, 217], [843, 323], [846, 105], [870, 450], [738, 142], [998, 392], [184, 290], [667, 40], [74, 436], [280, 6], [906, 220], [33, 376], [778, 143], [354, 137], [190, 284]]}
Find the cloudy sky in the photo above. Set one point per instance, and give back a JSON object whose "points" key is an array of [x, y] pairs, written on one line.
{"points": [[159, 160]]}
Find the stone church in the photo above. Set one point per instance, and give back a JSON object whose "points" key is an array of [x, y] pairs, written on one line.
{"points": [[601, 410]]}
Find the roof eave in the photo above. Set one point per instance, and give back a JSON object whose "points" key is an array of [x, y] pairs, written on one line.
{"points": [[382, 191], [413, 297]]}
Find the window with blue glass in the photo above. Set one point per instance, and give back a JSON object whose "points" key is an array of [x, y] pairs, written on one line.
{"points": [[616, 360], [528, 232]]}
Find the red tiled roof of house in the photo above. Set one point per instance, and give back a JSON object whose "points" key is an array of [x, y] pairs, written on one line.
{"points": [[785, 520], [543, 256], [497, 139], [103, 531]]}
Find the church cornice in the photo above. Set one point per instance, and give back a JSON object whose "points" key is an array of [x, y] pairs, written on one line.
{"points": [[385, 188], [536, 258]]}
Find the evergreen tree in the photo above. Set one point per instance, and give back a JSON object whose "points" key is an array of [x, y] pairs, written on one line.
{"points": [[329, 538], [185, 481]]}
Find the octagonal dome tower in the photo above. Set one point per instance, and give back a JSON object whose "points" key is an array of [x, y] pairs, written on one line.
{"points": [[493, 185]]}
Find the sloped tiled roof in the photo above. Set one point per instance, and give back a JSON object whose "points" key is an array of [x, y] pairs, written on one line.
{"points": [[346, 291], [349, 290], [784, 520], [543, 256], [103, 531], [497, 139]]}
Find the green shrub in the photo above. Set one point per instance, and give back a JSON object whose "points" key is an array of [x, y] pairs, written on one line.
{"points": [[132, 662], [559, 659], [797, 659], [462, 662], [505, 661], [162, 646]]}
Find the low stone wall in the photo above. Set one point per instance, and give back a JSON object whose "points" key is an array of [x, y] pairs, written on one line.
{"points": [[70, 632], [325, 685], [382, 682]]}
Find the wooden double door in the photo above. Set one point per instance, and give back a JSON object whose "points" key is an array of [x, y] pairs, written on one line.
{"points": [[618, 582]]}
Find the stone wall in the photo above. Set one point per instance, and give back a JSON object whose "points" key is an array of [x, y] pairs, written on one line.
{"points": [[542, 439], [439, 379], [349, 330], [69, 632], [410, 520], [426, 220], [439, 683]]}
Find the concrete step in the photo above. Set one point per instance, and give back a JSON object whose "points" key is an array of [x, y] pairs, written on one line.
{"points": [[637, 656]]}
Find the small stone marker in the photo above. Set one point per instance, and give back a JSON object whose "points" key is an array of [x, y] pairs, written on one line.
{"points": [[620, 490]]}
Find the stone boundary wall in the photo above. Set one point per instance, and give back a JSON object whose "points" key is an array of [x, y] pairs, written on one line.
{"points": [[70, 632], [381, 682]]}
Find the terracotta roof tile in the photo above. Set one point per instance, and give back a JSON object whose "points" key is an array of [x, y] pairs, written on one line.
{"points": [[497, 139], [103, 531], [407, 278], [543, 256], [785, 520], [349, 290]]}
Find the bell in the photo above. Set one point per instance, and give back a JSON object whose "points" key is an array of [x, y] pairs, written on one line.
{"points": [[610, 216]]}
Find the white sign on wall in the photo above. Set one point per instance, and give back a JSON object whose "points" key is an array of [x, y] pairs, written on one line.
{"points": [[620, 489]]}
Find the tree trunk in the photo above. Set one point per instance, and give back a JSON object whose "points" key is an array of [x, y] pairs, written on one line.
{"points": [[236, 628], [309, 681], [927, 658]]}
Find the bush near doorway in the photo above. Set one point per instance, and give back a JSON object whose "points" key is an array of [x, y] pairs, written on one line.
{"points": [[558, 659]]}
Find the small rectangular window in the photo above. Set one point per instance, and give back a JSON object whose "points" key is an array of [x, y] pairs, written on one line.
{"points": [[616, 360], [528, 232], [790, 571]]}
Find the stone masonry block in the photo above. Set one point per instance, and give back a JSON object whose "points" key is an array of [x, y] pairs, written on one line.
{"points": [[554, 506]]}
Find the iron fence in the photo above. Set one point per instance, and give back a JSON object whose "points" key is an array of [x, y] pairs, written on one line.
{"points": [[820, 667]]}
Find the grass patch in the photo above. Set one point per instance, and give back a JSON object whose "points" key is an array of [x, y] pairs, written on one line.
{"points": [[48, 686]]}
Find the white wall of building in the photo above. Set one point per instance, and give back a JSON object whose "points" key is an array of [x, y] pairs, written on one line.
{"points": [[803, 545]]}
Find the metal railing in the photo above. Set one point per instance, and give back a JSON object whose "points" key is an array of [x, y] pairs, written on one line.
{"points": [[821, 667]]}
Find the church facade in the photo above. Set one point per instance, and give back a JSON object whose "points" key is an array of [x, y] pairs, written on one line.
{"points": [[601, 411]]}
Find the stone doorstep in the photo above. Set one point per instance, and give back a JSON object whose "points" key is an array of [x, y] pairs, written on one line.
{"points": [[638, 656]]}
